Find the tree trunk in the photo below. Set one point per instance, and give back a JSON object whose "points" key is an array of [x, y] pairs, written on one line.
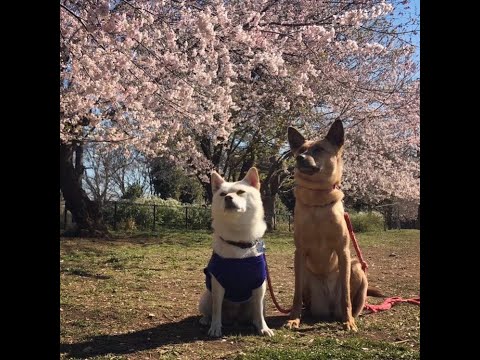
{"points": [[269, 208], [207, 190], [397, 217], [270, 188], [417, 225], [214, 154], [85, 213]]}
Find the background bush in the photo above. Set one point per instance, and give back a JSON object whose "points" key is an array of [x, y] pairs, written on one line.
{"points": [[367, 221], [138, 214]]}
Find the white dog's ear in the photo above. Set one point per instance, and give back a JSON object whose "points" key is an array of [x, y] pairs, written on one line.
{"points": [[216, 181], [252, 178]]}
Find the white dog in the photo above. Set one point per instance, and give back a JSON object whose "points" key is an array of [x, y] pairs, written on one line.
{"points": [[236, 273]]}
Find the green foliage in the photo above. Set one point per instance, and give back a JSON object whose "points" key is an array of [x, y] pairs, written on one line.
{"points": [[169, 181], [286, 194], [367, 221], [169, 213], [131, 216], [134, 191]]}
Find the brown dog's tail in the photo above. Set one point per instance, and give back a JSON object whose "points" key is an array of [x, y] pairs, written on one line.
{"points": [[374, 291]]}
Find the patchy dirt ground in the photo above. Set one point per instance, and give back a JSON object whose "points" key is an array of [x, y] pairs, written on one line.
{"points": [[136, 298]]}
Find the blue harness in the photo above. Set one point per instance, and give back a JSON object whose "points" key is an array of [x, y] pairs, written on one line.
{"points": [[237, 276]]}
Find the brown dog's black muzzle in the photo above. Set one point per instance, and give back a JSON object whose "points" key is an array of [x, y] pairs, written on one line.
{"points": [[306, 164]]}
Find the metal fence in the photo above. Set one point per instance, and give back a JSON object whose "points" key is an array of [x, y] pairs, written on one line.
{"points": [[394, 217], [123, 215], [126, 215]]}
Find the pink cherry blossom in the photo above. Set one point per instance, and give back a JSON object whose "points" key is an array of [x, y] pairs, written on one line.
{"points": [[161, 75]]}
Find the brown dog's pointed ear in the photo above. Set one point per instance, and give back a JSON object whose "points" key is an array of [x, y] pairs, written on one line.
{"points": [[252, 178], [336, 135], [295, 139], [216, 180]]}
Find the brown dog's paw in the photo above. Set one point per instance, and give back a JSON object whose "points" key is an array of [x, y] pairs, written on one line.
{"points": [[350, 325], [293, 324]]}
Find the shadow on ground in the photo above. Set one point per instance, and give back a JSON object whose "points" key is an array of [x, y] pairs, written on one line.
{"points": [[184, 331]]}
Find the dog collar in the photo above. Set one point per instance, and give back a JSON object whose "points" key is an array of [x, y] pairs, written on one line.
{"points": [[318, 197], [335, 186], [242, 245], [325, 205]]}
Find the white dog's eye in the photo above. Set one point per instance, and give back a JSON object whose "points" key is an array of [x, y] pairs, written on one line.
{"points": [[240, 192], [223, 193]]}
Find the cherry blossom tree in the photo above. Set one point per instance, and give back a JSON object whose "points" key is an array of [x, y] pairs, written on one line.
{"points": [[182, 79]]}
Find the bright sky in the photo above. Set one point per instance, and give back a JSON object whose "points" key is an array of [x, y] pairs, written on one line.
{"points": [[414, 11]]}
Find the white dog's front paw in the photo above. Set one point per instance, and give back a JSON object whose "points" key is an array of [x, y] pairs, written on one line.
{"points": [[215, 330], [266, 331]]}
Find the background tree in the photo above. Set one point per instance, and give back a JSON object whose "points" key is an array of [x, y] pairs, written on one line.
{"points": [[109, 173], [170, 181], [202, 83], [133, 191]]}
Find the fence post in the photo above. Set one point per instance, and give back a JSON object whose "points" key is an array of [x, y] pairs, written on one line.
{"points": [[65, 217], [115, 215], [186, 217], [399, 226], [154, 217], [417, 224], [274, 222], [289, 223]]}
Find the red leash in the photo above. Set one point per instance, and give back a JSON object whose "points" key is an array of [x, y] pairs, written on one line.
{"points": [[274, 299], [355, 242], [387, 303]]}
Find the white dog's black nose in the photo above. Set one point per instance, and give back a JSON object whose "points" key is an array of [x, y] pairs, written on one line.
{"points": [[229, 204]]}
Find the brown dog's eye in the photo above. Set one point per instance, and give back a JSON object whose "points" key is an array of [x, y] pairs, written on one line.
{"points": [[240, 192], [316, 151], [223, 193], [302, 150]]}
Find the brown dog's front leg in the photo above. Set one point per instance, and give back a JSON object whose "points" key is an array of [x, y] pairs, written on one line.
{"points": [[344, 263], [299, 264]]}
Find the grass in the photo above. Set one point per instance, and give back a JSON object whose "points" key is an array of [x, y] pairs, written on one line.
{"points": [[136, 298], [334, 348]]}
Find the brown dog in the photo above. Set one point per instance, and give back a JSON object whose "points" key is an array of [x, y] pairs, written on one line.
{"points": [[332, 286]]}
